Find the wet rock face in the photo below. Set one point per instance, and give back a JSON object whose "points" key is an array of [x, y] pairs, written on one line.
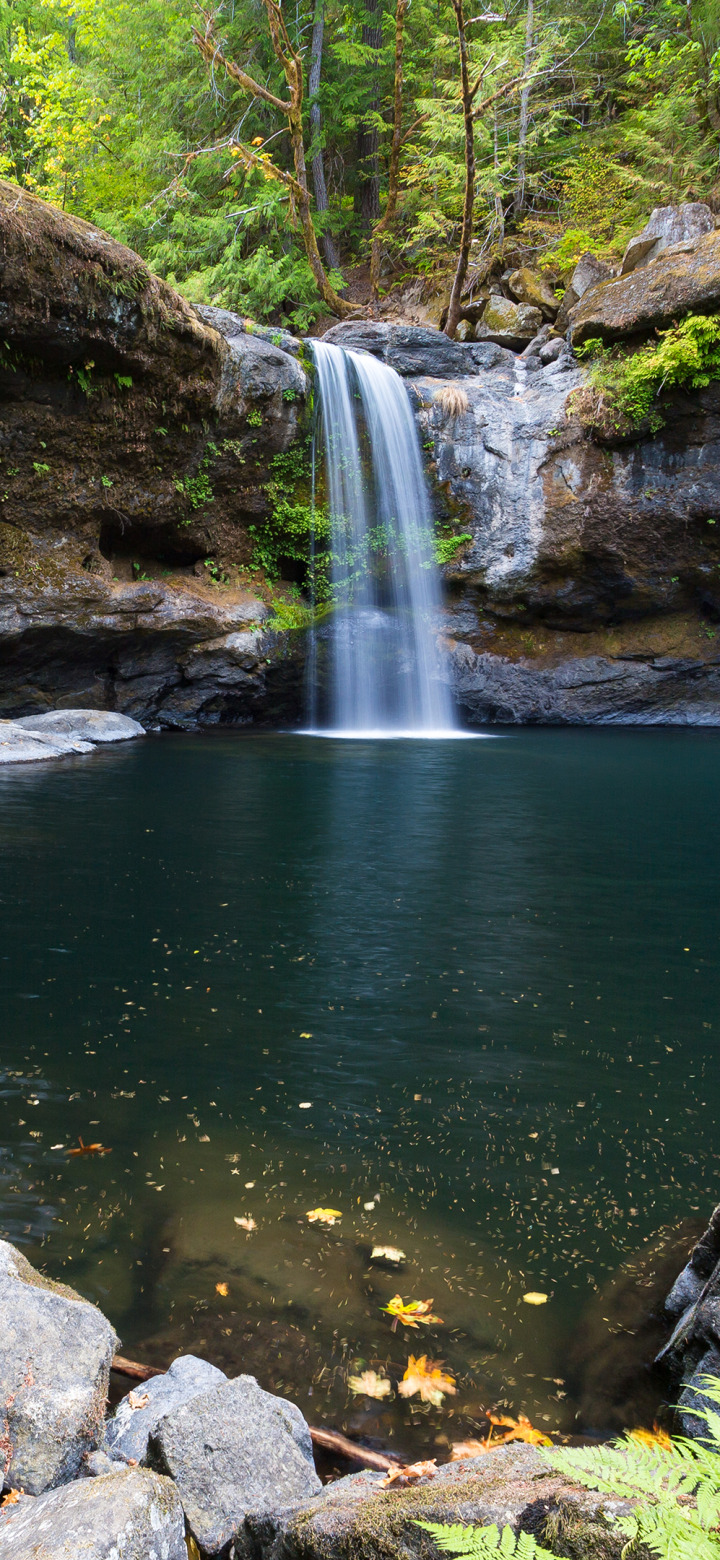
{"points": [[123, 1515], [590, 586], [693, 1350], [55, 1353], [136, 442]]}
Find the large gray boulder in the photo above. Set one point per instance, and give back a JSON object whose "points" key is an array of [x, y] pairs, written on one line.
{"points": [[685, 278], [55, 1354], [356, 1517], [20, 746], [667, 225], [124, 1515], [233, 1451], [83, 725], [409, 349], [137, 1416], [509, 324]]}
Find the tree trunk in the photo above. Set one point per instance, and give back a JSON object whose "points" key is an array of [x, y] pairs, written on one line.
{"points": [[367, 190], [499, 222], [391, 205], [318, 170], [519, 201], [469, 201]]}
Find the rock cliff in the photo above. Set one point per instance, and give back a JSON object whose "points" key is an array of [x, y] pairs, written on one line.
{"points": [[137, 441]]}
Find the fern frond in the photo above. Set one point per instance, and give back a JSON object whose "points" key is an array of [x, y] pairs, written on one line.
{"points": [[673, 1534], [486, 1543]]}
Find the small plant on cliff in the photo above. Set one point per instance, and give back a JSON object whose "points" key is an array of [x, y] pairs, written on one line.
{"points": [[626, 386], [447, 547]]}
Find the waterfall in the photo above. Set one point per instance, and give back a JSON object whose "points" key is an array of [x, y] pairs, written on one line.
{"points": [[384, 671]]}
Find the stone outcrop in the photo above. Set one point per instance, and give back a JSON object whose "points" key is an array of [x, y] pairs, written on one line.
{"points": [[509, 324], [136, 449], [528, 286], [55, 1353], [511, 1486], [139, 1413], [685, 278], [693, 1350], [232, 1451], [667, 225], [60, 732], [124, 1515]]}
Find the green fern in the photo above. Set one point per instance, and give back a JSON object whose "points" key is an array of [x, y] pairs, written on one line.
{"points": [[484, 1543]]}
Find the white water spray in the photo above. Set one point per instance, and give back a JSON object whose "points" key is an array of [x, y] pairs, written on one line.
{"points": [[384, 666]]}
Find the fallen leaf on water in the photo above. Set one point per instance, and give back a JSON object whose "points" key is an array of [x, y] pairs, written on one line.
{"points": [[462, 1449], [246, 1224], [385, 1253], [410, 1314], [420, 1470], [426, 1377], [12, 1498], [89, 1148], [306, 1037], [519, 1429], [222, 1289], [138, 1399], [370, 1384], [654, 1437], [324, 1215], [535, 1297]]}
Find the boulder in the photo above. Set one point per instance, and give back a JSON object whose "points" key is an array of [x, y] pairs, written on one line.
{"points": [[693, 1350], [55, 1353], [409, 349], [84, 725], [231, 325], [18, 746], [667, 225], [531, 287], [511, 1486], [684, 279], [136, 1417], [124, 1515], [589, 272], [232, 1451], [509, 324]]}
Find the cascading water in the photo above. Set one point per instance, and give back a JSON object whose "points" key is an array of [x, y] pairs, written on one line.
{"points": [[384, 671]]}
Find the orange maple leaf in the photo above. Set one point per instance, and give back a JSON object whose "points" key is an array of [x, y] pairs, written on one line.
{"points": [[420, 1470], [426, 1377], [410, 1313], [89, 1148]]}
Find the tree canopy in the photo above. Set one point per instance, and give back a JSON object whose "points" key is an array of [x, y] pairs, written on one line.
{"points": [[584, 116]]}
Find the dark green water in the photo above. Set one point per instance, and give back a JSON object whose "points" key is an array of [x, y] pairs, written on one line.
{"points": [[489, 968]]}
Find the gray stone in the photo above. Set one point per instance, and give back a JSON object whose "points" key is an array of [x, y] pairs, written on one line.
{"points": [[18, 746], [511, 1486], [135, 1418], [509, 324], [551, 351], [667, 225], [589, 272], [231, 325], [124, 1515], [684, 278], [84, 725], [528, 286], [55, 1353], [233, 1451], [693, 1400], [409, 349]]}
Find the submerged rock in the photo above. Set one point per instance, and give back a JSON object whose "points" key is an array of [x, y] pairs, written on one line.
{"points": [[55, 1353], [139, 1413], [233, 1451], [123, 1515]]}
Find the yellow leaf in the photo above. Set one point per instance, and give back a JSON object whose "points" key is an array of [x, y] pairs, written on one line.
{"points": [[519, 1429], [412, 1313], [535, 1297], [246, 1224], [306, 1037], [370, 1384], [384, 1253], [654, 1437], [426, 1377], [258, 140], [222, 1289], [324, 1215]]}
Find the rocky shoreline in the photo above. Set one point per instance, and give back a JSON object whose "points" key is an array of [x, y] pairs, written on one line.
{"points": [[194, 1463]]}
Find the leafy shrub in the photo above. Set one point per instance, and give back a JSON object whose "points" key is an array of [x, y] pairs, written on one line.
{"points": [[626, 385]]}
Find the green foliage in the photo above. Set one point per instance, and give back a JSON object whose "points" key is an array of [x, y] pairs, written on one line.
{"points": [[197, 490], [446, 548], [485, 1543], [628, 384]]}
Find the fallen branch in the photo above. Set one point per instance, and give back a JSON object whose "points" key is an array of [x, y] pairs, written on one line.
{"points": [[329, 1440]]}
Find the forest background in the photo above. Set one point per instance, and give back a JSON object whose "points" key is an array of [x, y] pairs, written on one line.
{"points": [[585, 115]]}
